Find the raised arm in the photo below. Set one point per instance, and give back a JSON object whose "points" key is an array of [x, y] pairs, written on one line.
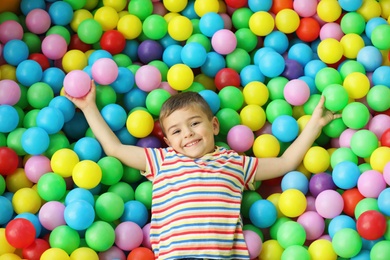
{"points": [[129, 155], [270, 168]]}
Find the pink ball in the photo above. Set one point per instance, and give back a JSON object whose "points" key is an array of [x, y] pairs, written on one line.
{"points": [[224, 41], [148, 78], [36, 166], [329, 203], [54, 46], [379, 124], [146, 236], [165, 85], [77, 83], [38, 21], [253, 242], [51, 215], [240, 138], [311, 206], [104, 71], [386, 173], [227, 21], [128, 235], [112, 253], [10, 30], [345, 137], [305, 8], [296, 92], [313, 224], [371, 183], [331, 30], [9, 92]]}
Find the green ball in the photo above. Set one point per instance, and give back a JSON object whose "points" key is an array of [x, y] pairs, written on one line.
{"points": [[291, 233], [327, 76], [112, 170], [143, 193], [162, 67], [254, 229], [352, 22], [105, 95], [51, 186], [364, 205], [277, 108], [195, 87], [57, 142], [336, 97], [39, 95], [60, 30], [195, 26], [364, 167], [311, 104], [275, 87], [22, 103], [2, 185], [238, 59], [14, 141], [380, 250], [241, 17], [33, 42], [335, 128], [100, 236], [227, 118], [131, 175], [347, 242], [363, 143], [21, 115], [90, 31], [122, 60], [65, 238], [155, 99], [380, 37], [30, 118], [141, 8], [342, 154], [378, 98], [8, 16], [248, 198], [275, 227], [109, 206], [3, 140], [231, 97], [246, 39], [355, 115], [123, 190], [201, 39], [350, 66], [155, 27], [295, 252]]}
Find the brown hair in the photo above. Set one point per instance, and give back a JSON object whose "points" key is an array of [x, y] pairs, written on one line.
{"points": [[183, 100]]}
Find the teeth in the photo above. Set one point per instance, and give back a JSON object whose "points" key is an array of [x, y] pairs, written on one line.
{"points": [[191, 144]]}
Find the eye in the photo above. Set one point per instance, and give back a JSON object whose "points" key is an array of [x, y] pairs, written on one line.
{"points": [[175, 132], [195, 123]]}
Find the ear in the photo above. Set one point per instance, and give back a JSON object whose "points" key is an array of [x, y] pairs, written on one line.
{"points": [[215, 124], [167, 141]]}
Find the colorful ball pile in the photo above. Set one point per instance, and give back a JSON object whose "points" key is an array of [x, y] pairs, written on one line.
{"points": [[261, 65]]}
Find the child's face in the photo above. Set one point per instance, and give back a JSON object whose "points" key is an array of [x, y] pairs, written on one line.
{"points": [[190, 132]]}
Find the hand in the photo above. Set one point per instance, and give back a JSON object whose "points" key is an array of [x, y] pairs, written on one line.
{"points": [[85, 101], [322, 115]]}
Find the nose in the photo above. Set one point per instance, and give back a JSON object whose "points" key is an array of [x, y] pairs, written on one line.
{"points": [[188, 132]]}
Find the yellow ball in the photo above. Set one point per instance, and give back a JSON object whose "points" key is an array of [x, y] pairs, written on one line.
{"points": [[107, 16], [253, 116], [55, 253], [17, 180], [322, 249], [74, 60], [271, 249], [169, 16], [118, 5], [292, 203], [140, 123], [255, 93], [316, 159], [26, 200], [206, 81], [265, 146], [352, 43], [180, 76], [82, 253], [329, 10], [180, 28], [261, 23], [287, 21], [379, 158], [202, 7], [8, 72], [79, 16], [302, 121], [5, 247], [370, 9], [274, 199], [87, 174], [357, 85], [130, 26], [330, 50], [10, 256], [63, 161], [91, 4], [175, 6], [385, 7]]}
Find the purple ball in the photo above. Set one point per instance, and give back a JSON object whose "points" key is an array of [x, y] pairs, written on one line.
{"points": [[150, 50], [320, 182], [149, 142], [293, 69]]}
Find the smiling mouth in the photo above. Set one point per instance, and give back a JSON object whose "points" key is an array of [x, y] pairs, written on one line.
{"points": [[192, 143]]}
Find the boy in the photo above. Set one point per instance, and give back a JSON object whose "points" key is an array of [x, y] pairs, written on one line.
{"points": [[197, 187]]}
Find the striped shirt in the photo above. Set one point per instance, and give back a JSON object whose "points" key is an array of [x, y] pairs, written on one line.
{"points": [[196, 203]]}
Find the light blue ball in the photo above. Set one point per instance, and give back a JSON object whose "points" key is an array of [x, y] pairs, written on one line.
{"points": [[88, 148], [263, 213], [346, 174], [285, 128], [35, 140], [295, 180], [79, 215], [15, 51], [9, 118]]}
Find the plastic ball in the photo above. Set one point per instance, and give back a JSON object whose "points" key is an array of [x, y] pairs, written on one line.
{"points": [[316, 159], [63, 161], [112, 253], [380, 250], [255, 93], [330, 50], [347, 242], [296, 92], [227, 118], [10, 30], [345, 175], [212, 99], [253, 242], [261, 23], [219, 40], [87, 174], [113, 41], [321, 248], [9, 161], [355, 115], [271, 249], [295, 180], [336, 97], [292, 203], [122, 232], [285, 128], [140, 123], [50, 119], [327, 76], [305, 8], [379, 158], [378, 98], [55, 253], [107, 16], [313, 224], [324, 10], [103, 206], [20, 233], [329, 204], [51, 215], [263, 213], [266, 145], [38, 21], [148, 78], [371, 225], [272, 64], [287, 21], [155, 27], [371, 183], [253, 116], [88, 148], [193, 54], [240, 138], [370, 57], [141, 253], [6, 210], [104, 71], [36, 249], [379, 37], [89, 31], [385, 138], [35, 140], [84, 253], [135, 211], [54, 46], [10, 92], [357, 85], [363, 143], [180, 77], [79, 215], [129, 32], [74, 60], [291, 233], [227, 77], [13, 57], [65, 238], [28, 72], [180, 28], [51, 186], [320, 182]]}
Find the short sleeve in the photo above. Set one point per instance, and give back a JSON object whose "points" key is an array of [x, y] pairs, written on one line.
{"points": [[250, 166], [154, 158]]}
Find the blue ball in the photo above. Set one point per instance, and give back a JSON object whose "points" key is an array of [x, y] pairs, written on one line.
{"points": [[124, 82], [29, 72], [285, 128], [260, 5], [76, 127], [34, 220], [372, 24], [114, 115], [9, 118], [61, 13], [27, 5], [311, 83], [251, 73], [276, 40], [35, 140], [136, 212], [50, 119], [214, 62], [312, 67], [167, 40], [193, 54], [339, 222], [300, 52], [88, 148], [125, 137], [54, 77], [172, 55], [79, 194], [98, 54], [79, 215], [257, 57], [134, 98], [189, 11], [6, 210], [370, 57], [65, 106], [210, 23], [384, 202], [295, 180], [263, 213], [381, 76], [272, 64], [350, 6], [15, 51], [345, 174], [212, 99]]}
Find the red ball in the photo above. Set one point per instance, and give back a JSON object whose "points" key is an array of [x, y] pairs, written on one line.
{"points": [[9, 161], [36, 249], [371, 225], [385, 138], [77, 44], [308, 29], [278, 5], [351, 198], [141, 253], [20, 233], [236, 3], [42, 60], [157, 131], [113, 41], [227, 77]]}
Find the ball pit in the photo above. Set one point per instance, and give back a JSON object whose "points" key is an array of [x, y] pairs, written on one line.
{"points": [[260, 65]]}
